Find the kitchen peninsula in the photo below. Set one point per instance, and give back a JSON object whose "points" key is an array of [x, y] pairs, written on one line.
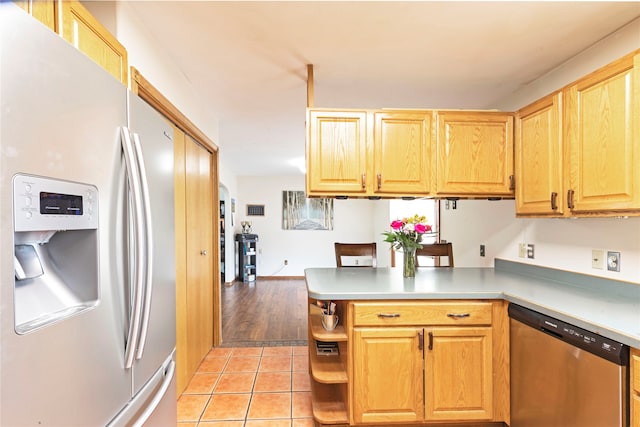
{"points": [[458, 319]]}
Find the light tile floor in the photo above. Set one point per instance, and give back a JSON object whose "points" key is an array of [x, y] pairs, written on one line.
{"points": [[249, 387]]}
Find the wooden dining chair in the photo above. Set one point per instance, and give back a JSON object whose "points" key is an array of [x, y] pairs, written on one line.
{"points": [[357, 251], [437, 251]]}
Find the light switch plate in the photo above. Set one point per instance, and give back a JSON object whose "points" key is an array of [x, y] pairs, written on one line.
{"points": [[597, 259], [522, 250]]}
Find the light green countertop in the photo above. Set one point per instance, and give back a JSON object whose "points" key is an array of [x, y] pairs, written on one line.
{"points": [[607, 307]]}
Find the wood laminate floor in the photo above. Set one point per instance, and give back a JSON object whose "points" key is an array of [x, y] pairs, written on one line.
{"points": [[264, 313]]}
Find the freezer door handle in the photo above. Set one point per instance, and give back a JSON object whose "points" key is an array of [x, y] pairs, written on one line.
{"points": [[139, 409], [133, 177], [148, 236], [168, 377]]}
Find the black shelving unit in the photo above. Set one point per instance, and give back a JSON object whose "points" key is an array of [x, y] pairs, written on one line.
{"points": [[247, 256]]}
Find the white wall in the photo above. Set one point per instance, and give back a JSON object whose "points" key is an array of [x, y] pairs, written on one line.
{"points": [[354, 221], [478, 222]]}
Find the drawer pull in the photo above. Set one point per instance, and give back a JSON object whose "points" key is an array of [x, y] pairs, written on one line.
{"points": [[388, 315], [458, 315]]}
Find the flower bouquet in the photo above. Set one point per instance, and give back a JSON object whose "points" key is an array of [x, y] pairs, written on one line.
{"points": [[406, 234]]}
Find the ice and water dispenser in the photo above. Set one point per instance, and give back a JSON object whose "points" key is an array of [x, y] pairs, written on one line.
{"points": [[55, 250]]}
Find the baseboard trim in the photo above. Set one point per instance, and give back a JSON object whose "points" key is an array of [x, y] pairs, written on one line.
{"points": [[280, 277]]}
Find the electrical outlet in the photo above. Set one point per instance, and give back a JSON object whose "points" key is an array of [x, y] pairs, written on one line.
{"points": [[522, 250], [286, 262], [482, 250], [530, 251], [597, 259], [613, 261]]}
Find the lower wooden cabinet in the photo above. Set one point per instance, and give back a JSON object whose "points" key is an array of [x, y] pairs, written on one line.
{"points": [[458, 373], [387, 375], [635, 388], [428, 361], [412, 362]]}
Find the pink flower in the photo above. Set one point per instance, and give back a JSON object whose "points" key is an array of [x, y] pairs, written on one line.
{"points": [[397, 224], [422, 228]]}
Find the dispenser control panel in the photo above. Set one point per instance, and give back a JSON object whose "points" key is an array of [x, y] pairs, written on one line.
{"points": [[41, 203]]}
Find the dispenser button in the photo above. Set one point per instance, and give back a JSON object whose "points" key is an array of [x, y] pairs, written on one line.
{"points": [[27, 188], [27, 201], [28, 214]]}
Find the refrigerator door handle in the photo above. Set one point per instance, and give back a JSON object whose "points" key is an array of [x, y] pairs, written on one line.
{"points": [[148, 232], [151, 407], [136, 307]]}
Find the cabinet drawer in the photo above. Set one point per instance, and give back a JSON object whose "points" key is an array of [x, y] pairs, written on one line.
{"points": [[421, 313], [635, 370]]}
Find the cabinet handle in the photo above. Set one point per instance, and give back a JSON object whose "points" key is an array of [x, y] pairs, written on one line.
{"points": [[430, 340], [512, 182], [554, 201], [388, 315], [364, 180], [458, 315], [379, 180], [570, 199], [421, 340], [203, 252]]}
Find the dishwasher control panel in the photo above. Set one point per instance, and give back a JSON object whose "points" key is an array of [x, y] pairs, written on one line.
{"points": [[590, 341]]}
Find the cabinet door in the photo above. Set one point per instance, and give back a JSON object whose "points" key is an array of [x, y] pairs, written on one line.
{"points": [[89, 36], [538, 156], [402, 153], [458, 374], [602, 128], [475, 153], [42, 10], [635, 388], [336, 152], [387, 375]]}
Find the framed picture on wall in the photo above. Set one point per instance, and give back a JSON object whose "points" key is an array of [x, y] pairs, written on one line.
{"points": [[302, 213]]}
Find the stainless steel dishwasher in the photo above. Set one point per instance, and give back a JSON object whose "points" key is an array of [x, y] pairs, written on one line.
{"points": [[565, 376]]}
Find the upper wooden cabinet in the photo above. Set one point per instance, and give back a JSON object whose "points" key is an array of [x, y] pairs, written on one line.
{"points": [[365, 153], [602, 131], [336, 152], [538, 158], [576, 149], [402, 153], [475, 154], [43, 10], [82, 30]]}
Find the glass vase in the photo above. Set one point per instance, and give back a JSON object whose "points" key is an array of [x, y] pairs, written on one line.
{"points": [[409, 262]]}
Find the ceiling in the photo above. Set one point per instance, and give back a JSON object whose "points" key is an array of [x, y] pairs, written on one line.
{"points": [[248, 60]]}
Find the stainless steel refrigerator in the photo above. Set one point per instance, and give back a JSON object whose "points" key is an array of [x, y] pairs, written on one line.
{"points": [[87, 297]]}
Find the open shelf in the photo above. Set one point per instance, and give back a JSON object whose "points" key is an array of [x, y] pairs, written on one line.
{"points": [[319, 333], [327, 369], [328, 407]]}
